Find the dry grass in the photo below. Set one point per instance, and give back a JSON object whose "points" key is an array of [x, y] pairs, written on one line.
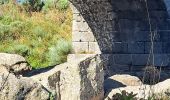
{"points": [[32, 34]]}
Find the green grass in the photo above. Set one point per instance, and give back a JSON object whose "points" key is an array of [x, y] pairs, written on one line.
{"points": [[43, 38]]}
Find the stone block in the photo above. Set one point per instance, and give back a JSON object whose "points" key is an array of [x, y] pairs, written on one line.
{"points": [[75, 26], [131, 14], [138, 68], [141, 36], [77, 17], [123, 59], [140, 59], [74, 57], [126, 24], [81, 26], [80, 47], [166, 47], [143, 25], [164, 36], [157, 47], [118, 69], [146, 60], [125, 36], [120, 47], [94, 48], [161, 60], [118, 37], [136, 47], [83, 37]]}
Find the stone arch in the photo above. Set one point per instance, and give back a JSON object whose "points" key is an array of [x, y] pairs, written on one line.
{"points": [[119, 29]]}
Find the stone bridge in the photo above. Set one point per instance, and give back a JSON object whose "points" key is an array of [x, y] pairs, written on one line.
{"points": [[131, 34]]}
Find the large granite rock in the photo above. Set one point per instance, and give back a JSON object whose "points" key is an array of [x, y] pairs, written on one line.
{"points": [[80, 79], [13, 88], [3, 69], [14, 62], [144, 91], [127, 80], [121, 80]]}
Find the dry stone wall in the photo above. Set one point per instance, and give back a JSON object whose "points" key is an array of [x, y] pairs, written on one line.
{"points": [[121, 29]]}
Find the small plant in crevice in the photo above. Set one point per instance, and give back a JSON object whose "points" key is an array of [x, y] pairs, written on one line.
{"points": [[151, 75], [124, 96]]}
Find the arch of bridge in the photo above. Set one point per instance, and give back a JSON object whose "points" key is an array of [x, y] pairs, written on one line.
{"points": [[121, 29]]}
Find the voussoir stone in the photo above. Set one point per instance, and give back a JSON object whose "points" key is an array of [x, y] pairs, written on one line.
{"points": [[14, 62]]}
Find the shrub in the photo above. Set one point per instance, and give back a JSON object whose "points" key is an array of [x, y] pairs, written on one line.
{"points": [[32, 5], [3, 1], [63, 4], [18, 49], [58, 53], [57, 4]]}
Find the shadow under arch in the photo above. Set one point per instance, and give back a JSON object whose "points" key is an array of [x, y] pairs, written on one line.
{"points": [[122, 31]]}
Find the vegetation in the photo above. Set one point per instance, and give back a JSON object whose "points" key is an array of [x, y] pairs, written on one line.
{"points": [[42, 36], [124, 95]]}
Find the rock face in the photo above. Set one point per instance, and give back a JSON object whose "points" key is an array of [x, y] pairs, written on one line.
{"points": [[127, 80], [13, 88], [14, 62], [3, 69], [144, 91], [76, 80], [117, 81]]}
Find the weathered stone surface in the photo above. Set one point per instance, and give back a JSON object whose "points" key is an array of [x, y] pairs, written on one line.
{"points": [[80, 47], [94, 48], [126, 79], [120, 47], [123, 59], [14, 62], [3, 69], [13, 88], [120, 80], [157, 47], [83, 37], [78, 79], [74, 57], [143, 91], [136, 47]]}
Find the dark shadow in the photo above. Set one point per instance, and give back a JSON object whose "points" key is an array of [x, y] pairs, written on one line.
{"points": [[37, 71], [110, 84]]}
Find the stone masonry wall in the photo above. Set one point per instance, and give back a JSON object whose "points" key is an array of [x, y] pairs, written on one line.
{"points": [[82, 35], [121, 29]]}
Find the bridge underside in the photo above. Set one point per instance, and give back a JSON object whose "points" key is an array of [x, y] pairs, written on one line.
{"points": [[131, 34]]}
